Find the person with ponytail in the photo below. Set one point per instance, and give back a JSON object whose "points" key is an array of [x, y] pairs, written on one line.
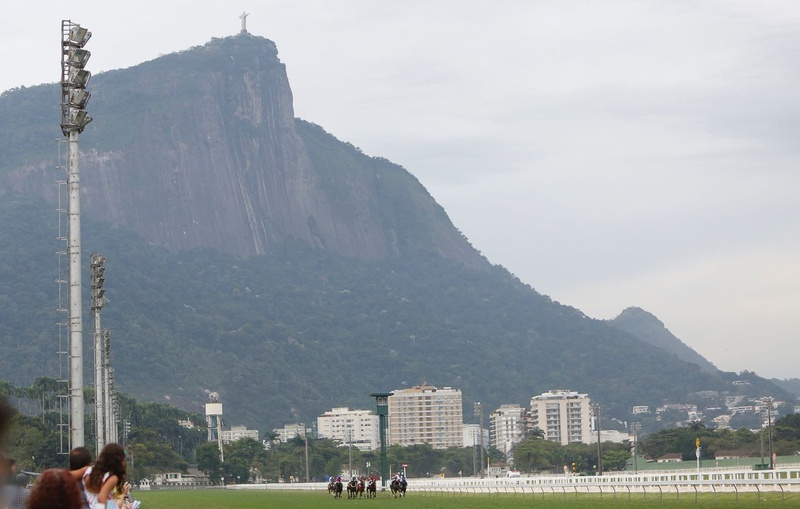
{"points": [[104, 477]]}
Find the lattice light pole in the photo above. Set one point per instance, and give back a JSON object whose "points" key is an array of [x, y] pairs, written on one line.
{"points": [[74, 119]]}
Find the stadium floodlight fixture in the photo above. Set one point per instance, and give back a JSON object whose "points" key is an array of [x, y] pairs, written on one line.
{"points": [[79, 118], [78, 57], [79, 78], [79, 36], [78, 98]]}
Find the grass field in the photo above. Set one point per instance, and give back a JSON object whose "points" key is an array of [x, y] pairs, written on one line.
{"points": [[259, 499]]}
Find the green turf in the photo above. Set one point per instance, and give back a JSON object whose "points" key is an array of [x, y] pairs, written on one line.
{"points": [[246, 499]]}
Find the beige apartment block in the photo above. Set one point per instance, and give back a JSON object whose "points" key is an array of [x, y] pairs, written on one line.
{"points": [[564, 416], [426, 415]]}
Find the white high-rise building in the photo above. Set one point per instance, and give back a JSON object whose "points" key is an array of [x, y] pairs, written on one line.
{"points": [[358, 428], [507, 427], [564, 416], [426, 415]]}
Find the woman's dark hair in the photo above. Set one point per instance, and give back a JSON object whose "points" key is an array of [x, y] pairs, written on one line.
{"points": [[55, 489], [112, 461]]}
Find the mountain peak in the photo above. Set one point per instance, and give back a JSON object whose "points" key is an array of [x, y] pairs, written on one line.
{"points": [[648, 328]]}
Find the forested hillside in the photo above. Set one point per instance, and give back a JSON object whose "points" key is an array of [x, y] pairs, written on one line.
{"points": [[286, 336]]}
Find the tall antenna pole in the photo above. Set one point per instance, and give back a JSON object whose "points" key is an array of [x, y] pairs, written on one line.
{"points": [[73, 119]]}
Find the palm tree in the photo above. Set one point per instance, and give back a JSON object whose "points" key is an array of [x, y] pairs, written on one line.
{"points": [[271, 437]]}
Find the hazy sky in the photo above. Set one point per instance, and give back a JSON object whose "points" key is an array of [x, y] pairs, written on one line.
{"points": [[609, 153]]}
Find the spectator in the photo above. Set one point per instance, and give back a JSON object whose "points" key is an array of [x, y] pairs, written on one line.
{"points": [[6, 414], [55, 489], [79, 457], [106, 475], [19, 493]]}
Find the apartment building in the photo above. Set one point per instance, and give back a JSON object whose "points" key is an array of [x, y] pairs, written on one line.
{"points": [[507, 427], [563, 415], [290, 431], [237, 433], [426, 414], [358, 428]]}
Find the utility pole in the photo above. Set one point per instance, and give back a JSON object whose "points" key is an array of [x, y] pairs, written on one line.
{"points": [[305, 439], [769, 431], [596, 409], [635, 427], [350, 450], [478, 409]]}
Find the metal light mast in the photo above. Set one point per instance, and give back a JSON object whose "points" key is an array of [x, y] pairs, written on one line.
{"points": [[98, 268], [74, 119]]}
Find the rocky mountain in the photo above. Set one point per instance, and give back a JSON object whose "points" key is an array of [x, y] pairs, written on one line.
{"points": [[650, 329], [201, 149], [253, 254]]}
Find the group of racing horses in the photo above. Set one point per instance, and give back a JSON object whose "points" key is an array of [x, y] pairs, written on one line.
{"points": [[357, 486]]}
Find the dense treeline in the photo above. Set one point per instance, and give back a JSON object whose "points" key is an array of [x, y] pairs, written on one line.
{"points": [[783, 438], [156, 442]]}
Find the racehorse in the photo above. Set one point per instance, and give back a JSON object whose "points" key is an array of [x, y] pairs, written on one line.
{"points": [[331, 486], [352, 488], [337, 489], [398, 488], [372, 488], [360, 487]]}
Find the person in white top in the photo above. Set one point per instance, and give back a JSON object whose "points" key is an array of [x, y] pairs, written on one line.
{"points": [[107, 474]]}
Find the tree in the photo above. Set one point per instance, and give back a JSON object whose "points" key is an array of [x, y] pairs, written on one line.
{"points": [[615, 459], [208, 461], [535, 454]]}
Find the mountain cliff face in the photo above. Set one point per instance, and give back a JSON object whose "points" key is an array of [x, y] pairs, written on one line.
{"points": [[201, 149]]}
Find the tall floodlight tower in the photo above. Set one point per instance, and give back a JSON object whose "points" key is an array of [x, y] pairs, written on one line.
{"points": [[74, 119], [97, 265]]}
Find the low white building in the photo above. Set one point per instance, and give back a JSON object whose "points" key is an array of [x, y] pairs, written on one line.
{"points": [[237, 433], [612, 435], [289, 431]]}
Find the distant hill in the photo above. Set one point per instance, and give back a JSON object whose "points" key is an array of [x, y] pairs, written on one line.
{"points": [[648, 328], [254, 254], [791, 385]]}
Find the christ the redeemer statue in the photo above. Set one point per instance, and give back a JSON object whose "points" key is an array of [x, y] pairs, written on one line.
{"points": [[243, 17]]}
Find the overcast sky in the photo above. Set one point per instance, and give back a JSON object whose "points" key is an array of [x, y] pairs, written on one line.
{"points": [[608, 153]]}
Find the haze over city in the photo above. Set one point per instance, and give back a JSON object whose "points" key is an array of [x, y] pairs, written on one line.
{"points": [[610, 154]]}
